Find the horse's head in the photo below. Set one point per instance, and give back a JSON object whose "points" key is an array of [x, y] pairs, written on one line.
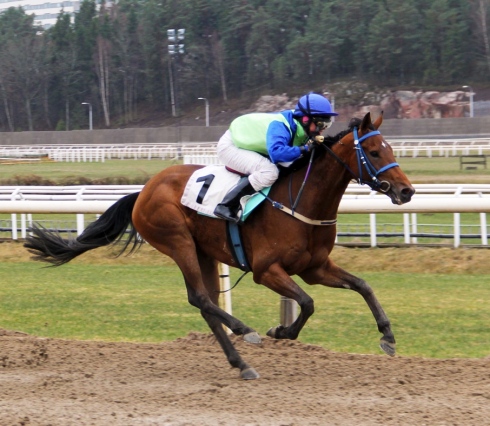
{"points": [[373, 162]]}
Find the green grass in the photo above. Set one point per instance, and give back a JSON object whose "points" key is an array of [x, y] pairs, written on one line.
{"points": [[432, 170], [63, 173], [441, 166], [440, 316]]}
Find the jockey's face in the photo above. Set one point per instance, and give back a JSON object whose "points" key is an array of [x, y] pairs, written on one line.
{"points": [[314, 129]]}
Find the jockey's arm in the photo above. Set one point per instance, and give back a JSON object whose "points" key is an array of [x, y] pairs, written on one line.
{"points": [[278, 143]]}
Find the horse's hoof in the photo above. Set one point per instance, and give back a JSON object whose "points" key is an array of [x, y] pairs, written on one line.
{"points": [[249, 374], [387, 347], [275, 332], [272, 332], [252, 337]]}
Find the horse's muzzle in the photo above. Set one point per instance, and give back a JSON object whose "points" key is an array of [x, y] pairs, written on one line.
{"points": [[401, 196]]}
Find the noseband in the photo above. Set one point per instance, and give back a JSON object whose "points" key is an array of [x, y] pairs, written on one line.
{"points": [[362, 159]]}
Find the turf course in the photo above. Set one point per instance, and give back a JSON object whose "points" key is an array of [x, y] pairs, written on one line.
{"points": [[142, 299]]}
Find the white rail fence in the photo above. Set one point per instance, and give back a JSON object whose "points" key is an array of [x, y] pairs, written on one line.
{"points": [[80, 200], [103, 152]]}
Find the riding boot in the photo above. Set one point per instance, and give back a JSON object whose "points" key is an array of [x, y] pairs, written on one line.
{"points": [[229, 207]]}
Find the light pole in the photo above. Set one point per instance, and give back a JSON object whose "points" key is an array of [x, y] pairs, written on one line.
{"points": [[207, 110], [89, 114], [174, 49], [471, 100]]}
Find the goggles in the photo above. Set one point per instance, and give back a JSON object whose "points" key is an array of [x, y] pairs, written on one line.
{"points": [[322, 122]]}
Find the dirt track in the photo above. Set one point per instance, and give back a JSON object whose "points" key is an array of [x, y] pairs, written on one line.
{"points": [[188, 382]]}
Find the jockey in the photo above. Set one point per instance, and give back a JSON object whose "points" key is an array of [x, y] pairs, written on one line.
{"points": [[256, 142]]}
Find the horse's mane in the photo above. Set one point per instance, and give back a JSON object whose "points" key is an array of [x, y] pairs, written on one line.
{"points": [[328, 141], [331, 140]]}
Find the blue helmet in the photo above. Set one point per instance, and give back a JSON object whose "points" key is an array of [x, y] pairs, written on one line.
{"points": [[312, 105]]}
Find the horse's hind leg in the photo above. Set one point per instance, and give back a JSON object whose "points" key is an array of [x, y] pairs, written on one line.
{"points": [[209, 270], [182, 249], [331, 275]]}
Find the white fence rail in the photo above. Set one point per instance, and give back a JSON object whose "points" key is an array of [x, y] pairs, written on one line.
{"points": [[103, 152], [80, 200]]}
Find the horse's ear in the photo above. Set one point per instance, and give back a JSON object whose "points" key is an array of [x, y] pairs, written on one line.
{"points": [[366, 123], [378, 121]]}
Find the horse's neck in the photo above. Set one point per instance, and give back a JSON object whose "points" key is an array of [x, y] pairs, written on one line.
{"points": [[324, 188]]}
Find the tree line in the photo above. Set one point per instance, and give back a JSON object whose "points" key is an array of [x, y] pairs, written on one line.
{"points": [[117, 58]]}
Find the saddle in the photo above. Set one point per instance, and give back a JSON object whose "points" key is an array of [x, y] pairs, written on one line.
{"points": [[207, 187]]}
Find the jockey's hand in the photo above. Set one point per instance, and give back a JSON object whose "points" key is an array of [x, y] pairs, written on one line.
{"points": [[316, 140]]}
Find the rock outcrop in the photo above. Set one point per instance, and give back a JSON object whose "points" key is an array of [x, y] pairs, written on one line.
{"points": [[402, 104]]}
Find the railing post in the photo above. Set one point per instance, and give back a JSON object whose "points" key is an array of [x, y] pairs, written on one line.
{"points": [[406, 227], [80, 216], [225, 296], [414, 227], [483, 229], [288, 311], [372, 227], [457, 229]]}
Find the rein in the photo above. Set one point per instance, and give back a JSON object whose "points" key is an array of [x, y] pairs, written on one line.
{"points": [[362, 160], [291, 212]]}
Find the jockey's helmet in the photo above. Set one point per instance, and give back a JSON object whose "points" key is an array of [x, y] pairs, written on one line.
{"points": [[314, 107], [313, 104]]}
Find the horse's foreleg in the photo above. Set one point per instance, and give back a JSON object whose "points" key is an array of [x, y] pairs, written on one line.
{"points": [[332, 276], [279, 281]]}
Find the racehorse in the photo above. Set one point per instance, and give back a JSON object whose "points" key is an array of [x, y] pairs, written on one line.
{"points": [[277, 245]]}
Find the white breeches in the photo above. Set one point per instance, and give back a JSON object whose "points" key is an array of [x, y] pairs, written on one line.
{"points": [[262, 172]]}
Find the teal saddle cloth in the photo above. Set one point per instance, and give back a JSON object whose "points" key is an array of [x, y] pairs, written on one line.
{"points": [[253, 202]]}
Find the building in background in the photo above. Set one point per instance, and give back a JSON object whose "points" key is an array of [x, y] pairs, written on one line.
{"points": [[46, 11]]}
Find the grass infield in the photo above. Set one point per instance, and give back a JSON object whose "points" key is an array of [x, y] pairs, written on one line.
{"points": [[142, 298]]}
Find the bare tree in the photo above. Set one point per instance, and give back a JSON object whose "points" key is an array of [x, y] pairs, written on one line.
{"points": [[480, 9], [22, 64], [219, 55], [102, 61]]}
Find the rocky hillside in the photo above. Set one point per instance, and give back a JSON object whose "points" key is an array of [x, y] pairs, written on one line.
{"points": [[350, 98]]}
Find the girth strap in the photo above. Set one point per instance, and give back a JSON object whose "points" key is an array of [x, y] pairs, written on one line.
{"points": [[236, 245]]}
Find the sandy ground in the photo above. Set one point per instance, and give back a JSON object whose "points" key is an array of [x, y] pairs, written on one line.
{"points": [[188, 382]]}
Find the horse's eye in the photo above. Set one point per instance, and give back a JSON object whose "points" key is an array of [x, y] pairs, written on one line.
{"points": [[374, 154]]}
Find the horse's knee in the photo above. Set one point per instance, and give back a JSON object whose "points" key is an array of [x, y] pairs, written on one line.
{"points": [[307, 306], [197, 300], [192, 299]]}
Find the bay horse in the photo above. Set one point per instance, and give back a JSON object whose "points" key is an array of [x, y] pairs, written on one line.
{"points": [[277, 245]]}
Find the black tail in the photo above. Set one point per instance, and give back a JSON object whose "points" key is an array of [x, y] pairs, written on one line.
{"points": [[109, 228]]}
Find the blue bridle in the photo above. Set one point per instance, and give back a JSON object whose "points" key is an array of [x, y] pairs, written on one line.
{"points": [[375, 183]]}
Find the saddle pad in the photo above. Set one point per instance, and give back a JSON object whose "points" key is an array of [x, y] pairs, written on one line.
{"points": [[207, 187]]}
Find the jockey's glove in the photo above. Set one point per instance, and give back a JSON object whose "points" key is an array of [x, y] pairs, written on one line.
{"points": [[307, 146]]}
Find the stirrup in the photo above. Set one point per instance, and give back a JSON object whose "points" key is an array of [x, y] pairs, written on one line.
{"points": [[224, 212]]}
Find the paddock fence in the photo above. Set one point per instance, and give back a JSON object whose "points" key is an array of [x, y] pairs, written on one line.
{"points": [[412, 224], [177, 151]]}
